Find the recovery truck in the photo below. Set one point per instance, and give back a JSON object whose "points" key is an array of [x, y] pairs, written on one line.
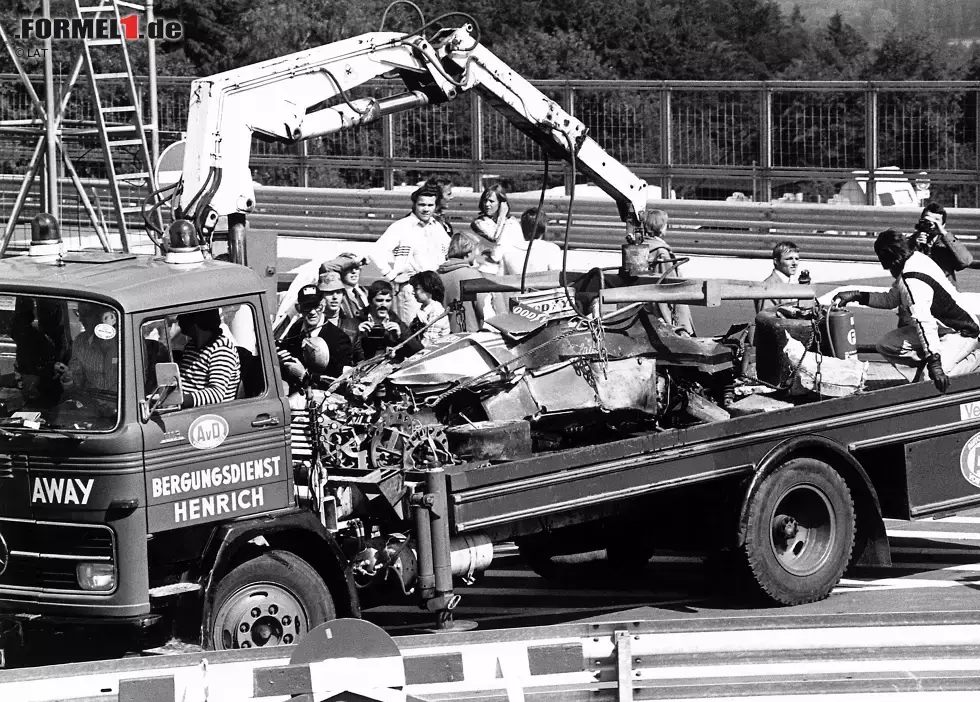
{"points": [[123, 510]]}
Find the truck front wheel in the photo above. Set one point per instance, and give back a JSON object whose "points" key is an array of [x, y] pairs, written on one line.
{"points": [[799, 531], [270, 600]]}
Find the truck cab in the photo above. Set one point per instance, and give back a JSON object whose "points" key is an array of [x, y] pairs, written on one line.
{"points": [[106, 499]]}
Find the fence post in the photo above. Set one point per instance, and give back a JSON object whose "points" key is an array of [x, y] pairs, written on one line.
{"points": [[976, 146], [304, 161], [151, 72], [388, 151], [568, 97], [765, 143], [871, 142], [476, 117], [666, 142]]}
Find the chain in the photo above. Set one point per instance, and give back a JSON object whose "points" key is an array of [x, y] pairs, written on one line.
{"points": [[583, 369], [796, 369], [818, 378], [598, 333], [815, 342]]}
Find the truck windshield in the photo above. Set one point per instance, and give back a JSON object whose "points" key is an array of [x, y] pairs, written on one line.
{"points": [[59, 364]]}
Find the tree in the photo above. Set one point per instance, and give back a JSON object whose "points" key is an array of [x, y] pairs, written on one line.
{"points": [[916, 56]]}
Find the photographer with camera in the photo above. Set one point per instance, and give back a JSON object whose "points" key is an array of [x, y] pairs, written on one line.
{"points": [[932, 239], [931, 303], [379, 327]]}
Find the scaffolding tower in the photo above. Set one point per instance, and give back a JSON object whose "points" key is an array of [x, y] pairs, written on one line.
{"points": [[125, 136]]}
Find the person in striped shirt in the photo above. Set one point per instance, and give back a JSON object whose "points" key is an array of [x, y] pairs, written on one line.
{"points": [[210, 369], [94, 364]]}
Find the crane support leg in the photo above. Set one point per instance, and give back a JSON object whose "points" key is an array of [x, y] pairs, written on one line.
{"points": [[435, 552]]}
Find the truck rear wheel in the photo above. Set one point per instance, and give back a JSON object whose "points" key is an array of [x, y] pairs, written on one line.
{"points": [[799, 532], [271, 600]]}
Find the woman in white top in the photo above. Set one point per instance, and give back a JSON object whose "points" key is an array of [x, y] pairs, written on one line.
{"points": [[495, 224]]}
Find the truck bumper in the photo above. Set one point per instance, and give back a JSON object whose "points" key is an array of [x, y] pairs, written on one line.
{"points": [[42, 640]]}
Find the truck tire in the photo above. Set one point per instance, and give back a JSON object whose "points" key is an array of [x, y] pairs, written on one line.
{"points": [[799, 532], [270, 600]]}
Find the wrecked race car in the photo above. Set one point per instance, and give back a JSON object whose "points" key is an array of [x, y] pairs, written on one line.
{"points": [[545, 376]]}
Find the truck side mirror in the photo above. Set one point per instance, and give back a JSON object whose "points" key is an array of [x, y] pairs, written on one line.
{"points": [[168, 396]]}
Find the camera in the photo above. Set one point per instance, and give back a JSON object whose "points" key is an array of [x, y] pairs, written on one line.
{"points": [[930, 229]]}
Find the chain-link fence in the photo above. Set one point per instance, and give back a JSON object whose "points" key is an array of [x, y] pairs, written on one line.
{"points": [[703, 140]]}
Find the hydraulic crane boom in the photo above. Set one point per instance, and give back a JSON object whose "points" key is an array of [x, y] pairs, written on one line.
{"points": [[282, 100]]}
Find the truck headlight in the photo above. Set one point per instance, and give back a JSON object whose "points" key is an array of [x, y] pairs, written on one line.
{"points": [[100, 577]]}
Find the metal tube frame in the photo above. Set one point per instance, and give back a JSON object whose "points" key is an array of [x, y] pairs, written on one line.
{"points": [[52, 206]]}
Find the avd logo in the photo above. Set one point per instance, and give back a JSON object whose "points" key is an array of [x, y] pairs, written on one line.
{"points": [[970, 460], [207, 431]]}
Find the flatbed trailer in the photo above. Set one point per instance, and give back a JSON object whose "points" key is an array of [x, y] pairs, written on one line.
{"points": [[901, 452]]}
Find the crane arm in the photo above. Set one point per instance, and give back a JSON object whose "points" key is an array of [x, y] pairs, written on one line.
{"points": [[282, 100], [558, 133]]}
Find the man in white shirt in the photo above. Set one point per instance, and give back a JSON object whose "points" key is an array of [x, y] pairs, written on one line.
{"points": [[786, 266], [545, 255], [411, 245]]}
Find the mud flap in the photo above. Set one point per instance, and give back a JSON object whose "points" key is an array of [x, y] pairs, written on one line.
{"points": [[11, 641]]}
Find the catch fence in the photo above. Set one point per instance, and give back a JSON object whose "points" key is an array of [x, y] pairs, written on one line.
{"points": [[695, 139]]}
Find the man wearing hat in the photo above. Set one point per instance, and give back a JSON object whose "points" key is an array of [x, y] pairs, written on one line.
{"points": [[316, 304], [348, 268]]}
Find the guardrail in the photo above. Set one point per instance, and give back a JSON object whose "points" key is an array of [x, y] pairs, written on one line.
{"points": [[612, 660], [743, 230], [698, 227]]}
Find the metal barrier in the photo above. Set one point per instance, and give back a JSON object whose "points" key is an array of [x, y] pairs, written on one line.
{"points": [[612, 660], [699, 227], [738, 229]]}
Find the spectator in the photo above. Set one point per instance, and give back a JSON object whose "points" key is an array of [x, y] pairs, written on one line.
{"points": [[411, 245], [445, 196], [307, 274], [464, 251], [332, 290], [922, 290], [94, 364], [932, 239], [379, 327], [311, 305], [495, 224], [544, 255], [786, 265], [44, 346], [663, 262], [430, 293], [210, 369], [347, 266]]}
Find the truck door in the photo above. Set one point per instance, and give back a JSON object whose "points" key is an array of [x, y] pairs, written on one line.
{"points": [[224, 459]]}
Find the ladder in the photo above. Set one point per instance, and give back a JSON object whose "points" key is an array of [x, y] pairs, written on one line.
{"points": [[120, 126]]}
